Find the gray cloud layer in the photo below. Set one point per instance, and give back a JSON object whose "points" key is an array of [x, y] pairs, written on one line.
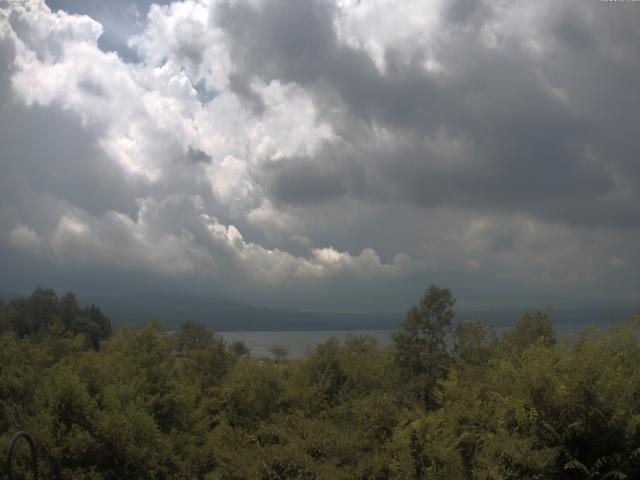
{"points": [[323, 154], [500, 128]]}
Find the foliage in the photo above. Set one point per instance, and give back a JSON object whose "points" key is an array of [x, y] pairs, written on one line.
{"points": [[280, 352], [152, 404], [420, 347], [45, 314], [532, 327]]}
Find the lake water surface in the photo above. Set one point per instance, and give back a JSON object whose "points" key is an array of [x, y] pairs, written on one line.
{"points": [[299, 342]]}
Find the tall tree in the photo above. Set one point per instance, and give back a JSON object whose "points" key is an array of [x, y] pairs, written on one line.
{"points": [[420, 347], [532, 327], [193, 336], [240, 349], [472, 341], [280, 352], [69, 309]]}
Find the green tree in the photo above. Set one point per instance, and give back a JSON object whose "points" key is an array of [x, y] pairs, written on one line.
{"points": [[34, 314], [69, 309], [253, 393], [420, 347], [240, 349], [192, 336], [280, 352], [43, 314], [320, 377], [532, 327], [91, 322], [472, 341]]}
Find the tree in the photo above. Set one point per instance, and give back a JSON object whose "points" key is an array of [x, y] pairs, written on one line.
{"points": [[472, 340], [45, 314], [33, 315], [69, 309], [240, 349], [91, 322], [280, 352], [191, 336], [252, 393], [532, 327], [420, 348], [44, 307]]}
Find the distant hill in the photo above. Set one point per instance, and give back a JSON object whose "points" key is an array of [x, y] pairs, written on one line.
{"points": [[224, 315]]}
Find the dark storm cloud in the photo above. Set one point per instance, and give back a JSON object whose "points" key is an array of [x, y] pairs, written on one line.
{"points": [[197, 156], [65, 163], [240, 86], [604, 80], [91, 87], [528, 148], [422, 175], [296, 42], [573, 32], [459, 11], [335, 171], [301, 182], [486, 150], [47, 153]]}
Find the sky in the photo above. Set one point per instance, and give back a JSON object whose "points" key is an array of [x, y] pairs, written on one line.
{"points": [[323, 155]]}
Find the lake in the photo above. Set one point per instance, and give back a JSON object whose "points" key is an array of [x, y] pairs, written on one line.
{"points": [[298, 342]]}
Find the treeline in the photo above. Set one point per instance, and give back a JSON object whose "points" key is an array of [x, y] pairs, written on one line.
{"points": [[45, 314], [442, 402]]}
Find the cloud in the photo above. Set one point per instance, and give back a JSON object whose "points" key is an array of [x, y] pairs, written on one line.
{"points": [[121, 19], [495, 124], [324, 149], [181, 33], [276, 222], [23, 238], [176, 237]]}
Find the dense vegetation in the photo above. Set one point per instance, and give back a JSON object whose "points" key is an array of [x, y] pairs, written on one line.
{"points": [[440, 403]]}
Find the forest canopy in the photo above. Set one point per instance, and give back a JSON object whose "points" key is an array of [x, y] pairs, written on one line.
{"points": [[447, 400]]}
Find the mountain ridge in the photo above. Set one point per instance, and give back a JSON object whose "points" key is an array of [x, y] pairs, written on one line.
{"points": [[171, 309]]}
